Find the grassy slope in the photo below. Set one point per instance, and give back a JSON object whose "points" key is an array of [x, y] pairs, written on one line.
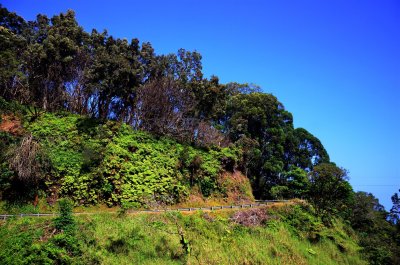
{"points": [[287, 237]]}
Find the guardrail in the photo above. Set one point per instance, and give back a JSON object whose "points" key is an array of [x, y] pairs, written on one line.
{"points": [[257, 203]]}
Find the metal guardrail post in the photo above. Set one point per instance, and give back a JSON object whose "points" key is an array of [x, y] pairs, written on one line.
{"points": [[251, 205]]}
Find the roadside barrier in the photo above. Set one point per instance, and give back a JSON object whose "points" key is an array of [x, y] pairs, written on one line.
{"points": [[257, 203]]}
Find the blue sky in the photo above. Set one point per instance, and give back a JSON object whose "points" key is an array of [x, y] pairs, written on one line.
{"points": [[334, 64]]}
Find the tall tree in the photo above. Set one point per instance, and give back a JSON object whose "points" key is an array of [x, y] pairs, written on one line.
{"points": [[329, 190], [12, 45], [366, 211], [50, 58], [378, 237], [395, 210], [263, 118], [309, 151], [162, 108]]}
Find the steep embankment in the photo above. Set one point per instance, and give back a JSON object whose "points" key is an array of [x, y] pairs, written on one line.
{"points": [[279, 234], [95, 162]]}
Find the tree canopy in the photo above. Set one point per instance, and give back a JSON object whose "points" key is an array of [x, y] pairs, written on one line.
{"points": [[54, 64]]}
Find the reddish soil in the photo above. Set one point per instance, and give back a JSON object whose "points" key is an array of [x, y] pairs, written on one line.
{"points": [[11, 124], [236, 185]]}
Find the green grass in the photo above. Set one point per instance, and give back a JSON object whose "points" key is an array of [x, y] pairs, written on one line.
{"points": [[154, 239]]}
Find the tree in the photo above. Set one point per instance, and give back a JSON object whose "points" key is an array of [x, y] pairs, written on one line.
{"points": [[65, 221], [309, 151], [377, 235], [395, 219], [395, 211], [163, 108], [210, 99], [54, 44], [366, 211], [297, 182], [12, 45], [251, 156], [103, 73], [116, 72], [207, 135], [263, 118], [329, 189]]}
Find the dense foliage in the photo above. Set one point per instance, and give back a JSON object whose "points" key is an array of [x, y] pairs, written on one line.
{"points": [[94, 162], [103, 120], [52, 64]]}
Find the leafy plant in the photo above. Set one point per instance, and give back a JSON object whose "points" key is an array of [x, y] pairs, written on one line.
{"points": [[65, 221]]}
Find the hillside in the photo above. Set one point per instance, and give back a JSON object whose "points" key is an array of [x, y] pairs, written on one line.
{"points": [[95, 162], [94, 123], [108, 166], [279, 234]]}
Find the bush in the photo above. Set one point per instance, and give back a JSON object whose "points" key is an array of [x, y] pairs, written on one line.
{"points": [[279, 192], [304, 222], [65, 222], [252, 217], [10, 107]]}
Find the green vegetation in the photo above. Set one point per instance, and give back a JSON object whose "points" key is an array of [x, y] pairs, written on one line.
{"points": [[213, 238], [87, 119], [52, 64], [38, 241], [93, 162]]}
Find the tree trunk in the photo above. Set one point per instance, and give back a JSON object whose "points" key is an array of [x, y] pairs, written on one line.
{"points": [[36, 201]]}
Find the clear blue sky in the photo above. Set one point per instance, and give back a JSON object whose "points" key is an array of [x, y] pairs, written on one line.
{"points": [[334, 64]]}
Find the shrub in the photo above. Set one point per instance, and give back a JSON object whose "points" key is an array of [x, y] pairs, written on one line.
{"points": [[251, 217], [27, 160], [304, 222], [10, 107], [279, 192], [65, 221]]}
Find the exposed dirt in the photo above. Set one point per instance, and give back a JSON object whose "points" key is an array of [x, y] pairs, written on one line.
{"points": [[11, 124], [237, 185]]}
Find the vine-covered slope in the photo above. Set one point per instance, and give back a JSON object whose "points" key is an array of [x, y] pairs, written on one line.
{"points": [[108, 162]]}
